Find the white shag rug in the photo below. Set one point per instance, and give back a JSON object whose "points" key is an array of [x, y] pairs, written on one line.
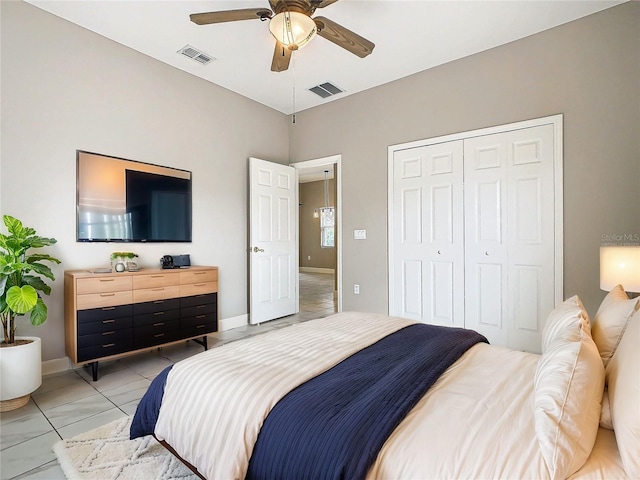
{"points": [[106, 453]]}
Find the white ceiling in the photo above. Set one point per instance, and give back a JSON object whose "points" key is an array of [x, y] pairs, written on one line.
{"points": [[410, 36]]}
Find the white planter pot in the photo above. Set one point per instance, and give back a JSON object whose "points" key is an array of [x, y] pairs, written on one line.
{"points": [[20, 370]]}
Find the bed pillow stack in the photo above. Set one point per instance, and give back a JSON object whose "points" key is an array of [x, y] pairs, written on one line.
{"points": [[569, 382], [623, 374]]}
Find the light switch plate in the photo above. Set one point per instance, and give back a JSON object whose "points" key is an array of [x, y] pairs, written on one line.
{"points": [[359, 234]]}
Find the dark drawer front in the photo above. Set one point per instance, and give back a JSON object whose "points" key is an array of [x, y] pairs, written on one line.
{"points": [[156, 333], [104, 338], [110, 345], [195, 329], [206, 308], [105, 313], [107, 325], [194, 300], [156, 306], [155, 317]]}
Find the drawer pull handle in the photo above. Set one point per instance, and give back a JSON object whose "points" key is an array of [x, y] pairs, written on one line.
{"points": [[159, 324], [199, 284], [200, 326], [107, 279], [158, 302], [201, 316], [106, 309], [158, 313], [200, 306], [157, 276], [108, 333], [159, 335], [108, 345], [108, 321], [199, 273], [107, 294], [158, 289]]}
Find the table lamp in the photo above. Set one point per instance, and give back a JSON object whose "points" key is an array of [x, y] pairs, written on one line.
{"points": [[620, 265]]}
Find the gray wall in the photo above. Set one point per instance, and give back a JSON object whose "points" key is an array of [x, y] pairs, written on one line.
{"points": [[64, 88], [312, 197], [588, 70]]}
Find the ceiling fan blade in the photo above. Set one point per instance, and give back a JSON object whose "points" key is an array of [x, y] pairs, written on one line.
{"points": [[344, 37], [229, 16], [323, 3], [281, 58]]}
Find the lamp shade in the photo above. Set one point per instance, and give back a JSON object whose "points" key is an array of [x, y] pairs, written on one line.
{"points": [[292, 29], [620, 265]]}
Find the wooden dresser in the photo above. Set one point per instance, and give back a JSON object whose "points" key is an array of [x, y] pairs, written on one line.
{"points": [[109, 315]]}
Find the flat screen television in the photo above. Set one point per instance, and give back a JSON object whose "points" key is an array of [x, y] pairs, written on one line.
{"points": [[120, 200]]}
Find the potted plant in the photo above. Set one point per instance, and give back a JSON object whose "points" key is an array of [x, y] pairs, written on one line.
{"points": [[121, 261], [21, 286]]}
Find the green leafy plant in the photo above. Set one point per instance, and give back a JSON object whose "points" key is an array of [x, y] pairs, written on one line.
{"points": [[21, 282], [123, 255]]}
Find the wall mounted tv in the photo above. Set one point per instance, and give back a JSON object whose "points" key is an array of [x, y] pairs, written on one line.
{"points": [[121, 200]]}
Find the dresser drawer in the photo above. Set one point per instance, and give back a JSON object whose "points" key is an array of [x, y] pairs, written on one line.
{"points": [[205, 308], [206, 298], [103, 338], [106, 349], [198, 288], [156, 280], [198, 320], [103, 284], [150, 335], [156, 306], [198, 276], [156, 293], [105, 325], [199, 329], [156, 317], [104, 299], [104, 313]]}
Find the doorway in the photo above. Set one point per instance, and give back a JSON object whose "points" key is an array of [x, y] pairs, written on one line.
{"points": [[319, 243]]}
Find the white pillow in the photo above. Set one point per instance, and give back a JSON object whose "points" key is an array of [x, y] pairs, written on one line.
{"points": [[569, 313], [569, 382], [611, 320], [605, 410], [624, 396]]}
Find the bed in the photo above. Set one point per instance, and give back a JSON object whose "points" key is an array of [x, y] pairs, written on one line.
{"points": [[254, 408]]}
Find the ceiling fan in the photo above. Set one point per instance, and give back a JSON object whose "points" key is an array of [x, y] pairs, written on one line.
{"points": [[291, 24]]}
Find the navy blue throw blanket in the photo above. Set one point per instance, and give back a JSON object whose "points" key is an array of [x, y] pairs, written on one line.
{"points": [[334, 425], [146, 417]]}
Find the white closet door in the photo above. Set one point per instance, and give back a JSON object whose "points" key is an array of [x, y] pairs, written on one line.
{"points": [[509, 235], [427, 262]]}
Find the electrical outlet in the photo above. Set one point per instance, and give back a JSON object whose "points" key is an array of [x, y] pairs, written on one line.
{"points": [[356, 289]]}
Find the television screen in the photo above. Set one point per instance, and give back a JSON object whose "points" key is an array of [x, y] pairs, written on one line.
{"points": [[121, 200]]}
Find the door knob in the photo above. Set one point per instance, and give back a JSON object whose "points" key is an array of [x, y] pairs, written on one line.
{"points": [[256, 249]]}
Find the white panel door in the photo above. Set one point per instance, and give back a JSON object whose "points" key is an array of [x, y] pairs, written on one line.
{"points": [[273, 261], [427, 259], [509, 235]]}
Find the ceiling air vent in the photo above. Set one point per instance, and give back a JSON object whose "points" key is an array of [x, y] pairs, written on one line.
{"points": [[326, 90], [196, 55]]}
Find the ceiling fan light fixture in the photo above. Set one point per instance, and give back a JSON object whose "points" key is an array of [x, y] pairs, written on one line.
{"points": [[292, 29]]}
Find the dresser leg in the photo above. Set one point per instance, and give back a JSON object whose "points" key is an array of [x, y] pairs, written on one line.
{"points": [[94, 371]]}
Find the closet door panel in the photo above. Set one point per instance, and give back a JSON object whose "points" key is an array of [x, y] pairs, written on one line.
{"points": [[485, 191], [427, 266], [531, 235]]}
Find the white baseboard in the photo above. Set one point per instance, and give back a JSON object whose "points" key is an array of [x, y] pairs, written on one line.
{"points": [[317, 270], [233, 322], [56, 365]]}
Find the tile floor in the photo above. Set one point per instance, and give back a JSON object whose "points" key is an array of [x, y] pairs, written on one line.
{"points": [[69, 403]]}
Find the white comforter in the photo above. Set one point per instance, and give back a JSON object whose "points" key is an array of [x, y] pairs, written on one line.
{"points": [[214, 403], [476, 422]]}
